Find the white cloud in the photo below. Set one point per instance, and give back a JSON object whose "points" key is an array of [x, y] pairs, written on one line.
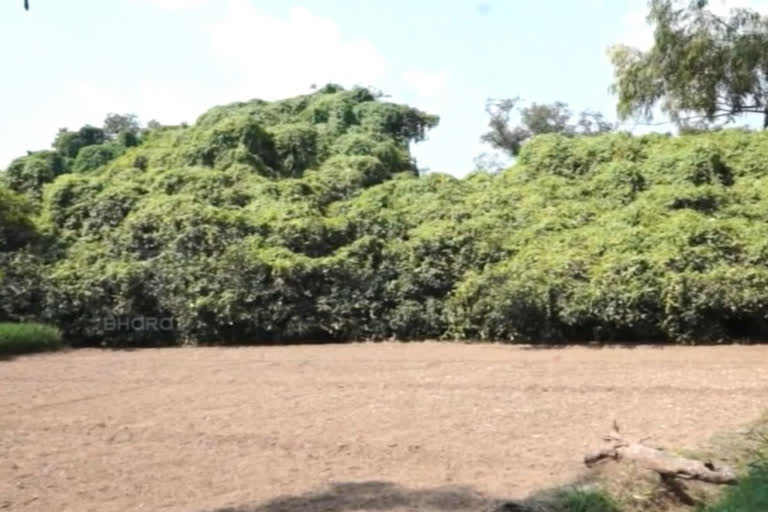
{"points": [[261, 55], [723, 7], [426, 83], [90, 102], [635, 30], [170, 103], [279, 57]]}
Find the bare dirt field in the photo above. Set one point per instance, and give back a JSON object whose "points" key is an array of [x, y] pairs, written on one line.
{"points": [[383, 427]]}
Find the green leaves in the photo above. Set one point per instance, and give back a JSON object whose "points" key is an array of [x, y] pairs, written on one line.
{"points": [[296, 148]]}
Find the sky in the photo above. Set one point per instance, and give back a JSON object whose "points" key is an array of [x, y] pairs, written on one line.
{"points": [[66, 64]]}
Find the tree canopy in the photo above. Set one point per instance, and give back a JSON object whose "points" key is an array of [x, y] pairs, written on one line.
{"points": [[701, 67], [120, 124]]}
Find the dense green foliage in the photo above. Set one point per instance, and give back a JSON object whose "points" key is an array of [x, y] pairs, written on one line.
{"points": [[16, 339], [701, 67], [306, 219], [17, 228]]}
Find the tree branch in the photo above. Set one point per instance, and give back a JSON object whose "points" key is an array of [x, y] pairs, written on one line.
{"points": [[669, 466], [690, 118]]}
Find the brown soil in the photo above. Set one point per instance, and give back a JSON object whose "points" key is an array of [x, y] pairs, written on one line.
{"points": [[382, 427]]}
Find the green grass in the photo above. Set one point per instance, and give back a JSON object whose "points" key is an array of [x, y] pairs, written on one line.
{"points": [[749, 495], [582, 500], [17, 339]]}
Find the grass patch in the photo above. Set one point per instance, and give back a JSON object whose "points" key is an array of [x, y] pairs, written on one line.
{"points": [[583, 500], [17, 339], [750, 494]]}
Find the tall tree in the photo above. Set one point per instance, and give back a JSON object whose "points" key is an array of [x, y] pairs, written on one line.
{"points": [[500, 135], [117, 124], [701, 67]]}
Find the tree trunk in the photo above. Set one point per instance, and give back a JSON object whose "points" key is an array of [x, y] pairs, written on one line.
{"points": [[665, 464]]}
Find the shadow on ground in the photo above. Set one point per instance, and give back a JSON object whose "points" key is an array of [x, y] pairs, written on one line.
{"points": [[383, 496]]}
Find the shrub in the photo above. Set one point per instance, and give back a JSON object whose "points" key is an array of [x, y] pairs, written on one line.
{"points": [[16, 339], [24, 286], [16, 221]]}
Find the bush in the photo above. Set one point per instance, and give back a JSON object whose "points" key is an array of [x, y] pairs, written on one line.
{"points": [[17, 227], [16, 339], [24, 286]]}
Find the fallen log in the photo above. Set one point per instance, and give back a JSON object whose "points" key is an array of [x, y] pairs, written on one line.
{"points": [[668, 466]]}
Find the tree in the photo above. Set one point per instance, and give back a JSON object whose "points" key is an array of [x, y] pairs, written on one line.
{"points": [[701, 67], [118, 124], [543, 118], [501, 136], [536, 119], [492, 162], [593, 123]]}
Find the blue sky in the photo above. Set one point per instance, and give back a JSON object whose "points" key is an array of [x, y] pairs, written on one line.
{"points": [[70, 63]]}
